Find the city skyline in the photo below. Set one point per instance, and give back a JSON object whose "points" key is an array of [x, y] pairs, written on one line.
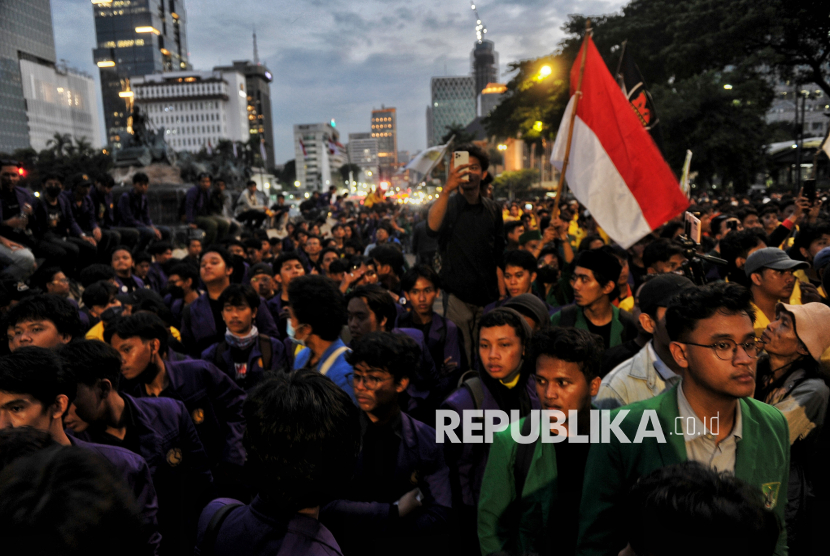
{"points": [[338, 60]]}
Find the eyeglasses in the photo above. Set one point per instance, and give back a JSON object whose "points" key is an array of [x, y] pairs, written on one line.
{"points": [[369, 382], [61, 280], [726, 349]]}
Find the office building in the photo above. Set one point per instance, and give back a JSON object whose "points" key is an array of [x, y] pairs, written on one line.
{"points": [[318, 155], [25, 34], [453, 103], [59, 100], [135, 37], [258, 83], [810, 98], [197, 109], [363, 151], [484, 62], [385, 130]]}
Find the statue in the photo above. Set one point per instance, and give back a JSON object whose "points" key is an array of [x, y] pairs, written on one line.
{"points": [[145, 146]]}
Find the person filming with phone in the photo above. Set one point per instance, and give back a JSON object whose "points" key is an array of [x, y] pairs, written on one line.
{"points": [[470, 231]]}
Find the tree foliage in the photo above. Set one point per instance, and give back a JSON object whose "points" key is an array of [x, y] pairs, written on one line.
{"points": [[461, 135], [517, 182], [63, 156]]}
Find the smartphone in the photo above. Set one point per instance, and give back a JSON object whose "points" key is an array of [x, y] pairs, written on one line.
{"points": [[528, 206], [461, 158], [809, 190], [692, 227]]}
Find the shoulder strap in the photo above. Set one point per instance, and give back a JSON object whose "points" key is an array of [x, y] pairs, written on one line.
{"points": [[524, 455], [568, 317], [476, 389], [324, 368], [265, 350], [212, 531]]}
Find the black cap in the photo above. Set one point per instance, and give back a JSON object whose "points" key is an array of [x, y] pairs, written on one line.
{"points": [[658, 291]]}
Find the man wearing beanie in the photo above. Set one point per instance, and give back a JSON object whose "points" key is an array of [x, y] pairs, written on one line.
{"points": [[788, 379], [770, 272], [594, 282], [653, 369]]}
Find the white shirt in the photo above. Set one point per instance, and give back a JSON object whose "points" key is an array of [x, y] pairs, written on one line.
{"points": [[701, 441]]}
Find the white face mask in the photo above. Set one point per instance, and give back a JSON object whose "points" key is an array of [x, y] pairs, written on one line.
{"points": [[292, 333]]}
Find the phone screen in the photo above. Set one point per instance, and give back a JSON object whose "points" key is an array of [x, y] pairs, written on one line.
{"points": [[809, 190], [459, 159], [528, 206], [693, 227]]}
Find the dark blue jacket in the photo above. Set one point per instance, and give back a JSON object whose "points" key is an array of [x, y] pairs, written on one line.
{"points": [[170, 445], [442, 338], [275, 306], [85, 214], [257, 530], [24, 197], [469, 460], [195, 203], [157, 278], [136, 473], [42, 217], [255, 373], [420, 463], [103, 206], [134, 210], [214, 403], [138, 282], [199, 329]]}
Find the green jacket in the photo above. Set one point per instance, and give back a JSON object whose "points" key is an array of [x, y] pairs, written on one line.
{"points": [[617, 326], [762, 459], [496, 507]]}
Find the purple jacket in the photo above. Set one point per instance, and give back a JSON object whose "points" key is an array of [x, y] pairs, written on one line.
{"points": [[442, 338], [24, 197], [420, 463], [103, 205], [214, 403], [275, 306], [469, 460], [199, 330], [136, 473], [255, 373], [256, 530], [85, 214], [134, 210], [42, 217], [157, 278], [195, 203], [138, 282]]}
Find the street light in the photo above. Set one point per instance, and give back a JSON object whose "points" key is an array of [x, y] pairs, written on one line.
{"points": [[297, 183], [538, 126], [502, 147], [106, 64], [728, 87]]}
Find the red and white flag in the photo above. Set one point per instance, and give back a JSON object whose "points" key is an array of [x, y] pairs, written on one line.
{"points": [[302, 146], [615, 169]]}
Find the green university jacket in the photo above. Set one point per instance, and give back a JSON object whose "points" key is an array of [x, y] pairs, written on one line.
{"points": [[762, 459], [617, 327]]}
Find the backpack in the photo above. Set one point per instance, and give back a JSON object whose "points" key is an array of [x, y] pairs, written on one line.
{"points": [[264, 349], [212, 530], [471, 381]]}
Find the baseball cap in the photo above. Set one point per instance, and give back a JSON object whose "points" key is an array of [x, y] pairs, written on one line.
{"points": [[821, 258], [771, 257], [261, 268]]}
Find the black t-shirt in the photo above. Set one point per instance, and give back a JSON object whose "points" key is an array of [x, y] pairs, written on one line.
{"points": [[218, 321], [57, 223], [129, 283], [379, 458], [571, 459], [603, 331], [131, 440]]}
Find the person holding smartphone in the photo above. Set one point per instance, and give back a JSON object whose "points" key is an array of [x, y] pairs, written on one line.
{"points": [[470, 232]]}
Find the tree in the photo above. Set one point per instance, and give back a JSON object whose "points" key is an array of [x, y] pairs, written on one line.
{"points": [[515, 184], [289, 173], [461, 135], [59, 143], [346, 168]]}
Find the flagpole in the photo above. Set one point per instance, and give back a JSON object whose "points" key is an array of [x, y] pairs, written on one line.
{"points": [[560, 187]]}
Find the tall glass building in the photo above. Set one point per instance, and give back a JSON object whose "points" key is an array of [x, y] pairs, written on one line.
{"points": [[453, 103], [135, 37], [25, 34]]}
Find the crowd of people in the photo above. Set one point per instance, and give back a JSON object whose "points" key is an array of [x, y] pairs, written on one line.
{"points": [[274, 385]]}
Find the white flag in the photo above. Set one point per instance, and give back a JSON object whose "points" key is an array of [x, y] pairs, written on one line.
{"points": [[424, 160]]}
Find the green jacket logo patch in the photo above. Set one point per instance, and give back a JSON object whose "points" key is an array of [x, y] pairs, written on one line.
{"points": [[770, 492]]}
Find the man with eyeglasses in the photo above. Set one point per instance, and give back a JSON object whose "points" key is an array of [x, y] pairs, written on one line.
{"points": [[401, 487], [710, 417], [772, 280]]}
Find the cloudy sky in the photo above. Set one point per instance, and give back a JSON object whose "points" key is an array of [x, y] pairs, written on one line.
{"points": [[339, 59]]}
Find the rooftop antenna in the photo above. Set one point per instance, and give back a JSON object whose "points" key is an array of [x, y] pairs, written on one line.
{"points": [[480, 28], [256, 52]]}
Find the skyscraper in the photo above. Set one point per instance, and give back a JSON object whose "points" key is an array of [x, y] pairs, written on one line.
{"points": [[484, 61], [136, 37], [257, 81], [453, 103], [363, 151], [25, 34], [385, 130], [318, 155]]}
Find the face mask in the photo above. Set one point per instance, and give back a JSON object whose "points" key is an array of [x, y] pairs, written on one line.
{"points": [[242, 342], [111, 314], [547, 274], [292, 333], [53, 190], [176, 292]]}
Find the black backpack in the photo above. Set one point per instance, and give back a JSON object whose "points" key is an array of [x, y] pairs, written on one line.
{"points": [[264, 349]]}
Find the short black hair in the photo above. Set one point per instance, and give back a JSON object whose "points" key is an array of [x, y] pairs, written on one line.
{"points": [[95, 273], [477, 152], [379, 301], [695, 304], [62, 500], [159, 247], [238, 295], [35, 371], [551, 251], [100, 293], [147, 326], [253, 243], [192, 239], [121, 248], [337, 266], [389, 255], [185, 271], [807, 234], [49, 307], [396, 353], [522, 259], [140, 177], [142, 257], [46, 276], [689, 509], [512, 225], [316, 301], [585, 242], [573, 345], [283, 258], [737, 244], [88, 361], [302, 438], [22, 441], [420, 271], [660, 251], [510, 318], [221, 251]]}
